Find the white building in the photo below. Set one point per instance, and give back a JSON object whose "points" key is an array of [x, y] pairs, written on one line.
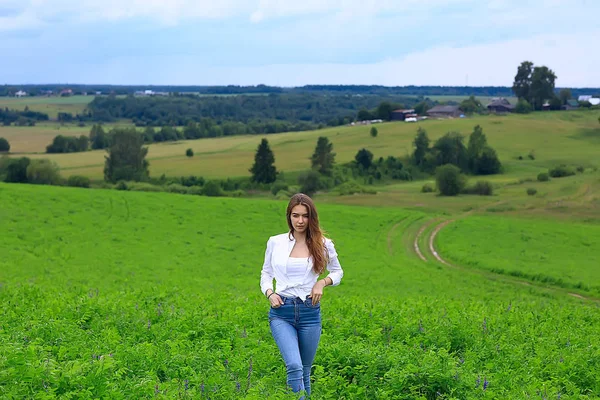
{"points": [[20, 93]]}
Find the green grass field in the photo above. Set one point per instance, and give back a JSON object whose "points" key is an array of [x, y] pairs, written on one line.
{"points": [[108, 294], [117, 294], [554, 137], [49, 105]]}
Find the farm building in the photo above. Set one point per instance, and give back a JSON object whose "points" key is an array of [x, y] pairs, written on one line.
{"points": [[571, 105], [444, 112], [500, 105], [20, 93], [401, 115]]}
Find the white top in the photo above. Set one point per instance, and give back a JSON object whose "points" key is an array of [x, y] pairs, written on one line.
{"points": [[296, 270], [275, 266]]}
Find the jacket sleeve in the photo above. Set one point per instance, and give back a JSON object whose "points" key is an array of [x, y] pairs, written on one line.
{"points": [[266, 275], [333, 265]]}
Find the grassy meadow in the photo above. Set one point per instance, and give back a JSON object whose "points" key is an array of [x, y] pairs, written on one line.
{"points": [[108, 294], [123, 294], [554, 137]]}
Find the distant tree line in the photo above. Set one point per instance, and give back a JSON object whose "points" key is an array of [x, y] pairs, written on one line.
{"points": [[261, 114], [484, 91], [22, 118]]}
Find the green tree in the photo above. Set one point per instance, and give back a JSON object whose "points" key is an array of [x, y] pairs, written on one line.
{"points": [[523, 107], [421, 144], [522, 83], [449, 180], [542, 86], [564, 95], [16, 169], [488, 162], [477, 142], [309, 182], [83, 143], [374, 132], [126, 158], [149, 133], [422, 107], [323, 158], [43, 172], [471, 105], [364, 115], [555, 103], [4, 145], [384, 111], [98, 138], [189, 152], [364, 158], [263, 170], [450, 149]]}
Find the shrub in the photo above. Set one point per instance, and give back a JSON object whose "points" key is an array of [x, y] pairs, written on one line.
{"points": [[482, 188], [278, 186], [189, 153], [177, 188], [78, 181], [427, 188], [212, 188], [144, 187], [531, 191], [543, 177], [43, 172], [374, 132], [580, 169], [351, 187], [561, 171], [4, 145], [121, 185], [449, 180], [531, 155], [309, 182]]}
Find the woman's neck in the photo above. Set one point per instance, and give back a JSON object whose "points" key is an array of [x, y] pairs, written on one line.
{"points": [[300, 237]]}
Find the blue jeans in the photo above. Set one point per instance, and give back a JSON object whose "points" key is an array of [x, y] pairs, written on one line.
{"points": [[296, 328]]}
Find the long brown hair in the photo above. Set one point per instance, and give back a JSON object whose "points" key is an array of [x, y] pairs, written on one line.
{"points": [[315, 236]]}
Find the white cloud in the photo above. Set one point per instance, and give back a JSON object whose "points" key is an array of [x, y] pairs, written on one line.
{"points": [[490, 64]]}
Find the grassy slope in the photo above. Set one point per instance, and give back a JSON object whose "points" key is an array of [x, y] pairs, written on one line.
{"points": [[555, 138], [165, 288]]}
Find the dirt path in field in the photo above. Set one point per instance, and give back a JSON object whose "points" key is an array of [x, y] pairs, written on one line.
{"points": [[439, 258]]}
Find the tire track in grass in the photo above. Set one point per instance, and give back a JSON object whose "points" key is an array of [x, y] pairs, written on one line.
{"points": [[493, 275]]}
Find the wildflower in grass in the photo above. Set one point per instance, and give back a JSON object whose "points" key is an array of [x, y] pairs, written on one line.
{"points": [[484, 325], [509, 306], [187, 384], [421, 326], [477, 381], [202, 387], [462, 360], [485, 383], [238, 386], [149, 324], [226, 363], [156, 391]]}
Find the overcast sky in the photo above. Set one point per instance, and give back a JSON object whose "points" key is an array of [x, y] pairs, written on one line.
{"points": [[297, 42]]}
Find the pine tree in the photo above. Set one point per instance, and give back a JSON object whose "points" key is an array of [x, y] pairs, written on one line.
{"points": [[263, 170], [323, 158]]}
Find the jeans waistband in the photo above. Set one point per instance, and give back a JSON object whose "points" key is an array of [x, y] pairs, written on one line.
{"points": [[292, 300]]}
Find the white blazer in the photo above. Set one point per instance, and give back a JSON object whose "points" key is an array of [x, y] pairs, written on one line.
{"points": [[279, 248]]}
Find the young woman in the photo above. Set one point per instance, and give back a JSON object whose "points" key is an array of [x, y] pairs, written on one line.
{"points": [[295, 260]]}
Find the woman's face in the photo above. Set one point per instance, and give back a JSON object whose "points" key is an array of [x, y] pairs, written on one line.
{"points": [[299, 217]]}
